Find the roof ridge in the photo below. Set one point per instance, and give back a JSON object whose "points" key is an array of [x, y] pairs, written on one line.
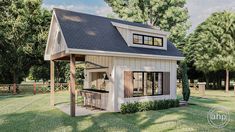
{"points": [[55, 8]]}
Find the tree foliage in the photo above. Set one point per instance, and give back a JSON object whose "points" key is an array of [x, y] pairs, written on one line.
{"points": [[40, 72], [185, 84], [79, 75], [169, 15], [211, 46], [23, 32]]}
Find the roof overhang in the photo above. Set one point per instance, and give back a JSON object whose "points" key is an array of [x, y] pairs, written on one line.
{"points": [[121, 54]]}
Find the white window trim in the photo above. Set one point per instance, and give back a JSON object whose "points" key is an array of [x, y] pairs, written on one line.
{"points": [[164, 47], [142, 31]]}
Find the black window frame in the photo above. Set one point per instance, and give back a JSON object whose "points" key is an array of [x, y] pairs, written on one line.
{"points": [[147, 36], [158, 38], [138, 35], [153, 90]]}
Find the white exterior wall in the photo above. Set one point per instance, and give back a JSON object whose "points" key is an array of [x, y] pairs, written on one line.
{"points": [[127, 35], [128, 31], [106, 62], [52, 45], [136, 64]]}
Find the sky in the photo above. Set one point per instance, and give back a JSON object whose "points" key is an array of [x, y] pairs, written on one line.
{"points": [[199, 10]]}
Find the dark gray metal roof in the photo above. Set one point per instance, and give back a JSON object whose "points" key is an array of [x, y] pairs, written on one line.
{"points": [[89, 32]]}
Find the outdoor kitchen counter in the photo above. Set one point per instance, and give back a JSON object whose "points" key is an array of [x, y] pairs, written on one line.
{"points": [[95, 90], [100, 103]]}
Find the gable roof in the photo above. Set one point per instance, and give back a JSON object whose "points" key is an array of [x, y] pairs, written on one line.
{"points": [[89, 32]]}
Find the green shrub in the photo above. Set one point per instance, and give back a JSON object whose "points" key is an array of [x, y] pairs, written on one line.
{"points": [[145, 106], [130, 108], [177, 103], [150, 105], [185, 84]]}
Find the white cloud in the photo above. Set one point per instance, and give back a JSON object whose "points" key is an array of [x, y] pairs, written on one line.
{"points": [[200, 10], [97, 10], [104, 11]]}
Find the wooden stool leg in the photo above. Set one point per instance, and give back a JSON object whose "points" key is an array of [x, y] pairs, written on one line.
{"points": [[91, 101], [86, 99]]}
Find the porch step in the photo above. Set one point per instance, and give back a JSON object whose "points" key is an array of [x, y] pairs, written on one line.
{"points": [[183, 103]]}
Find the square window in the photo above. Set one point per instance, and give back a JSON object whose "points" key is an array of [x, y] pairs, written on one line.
{"points": [[158, 42], [137, 39], [148, 40]]}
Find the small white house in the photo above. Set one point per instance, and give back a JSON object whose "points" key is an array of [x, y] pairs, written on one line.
{"points": [[131, 61]]}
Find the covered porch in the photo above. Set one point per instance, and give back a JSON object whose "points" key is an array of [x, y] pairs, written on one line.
{"points": [[94, 100]]}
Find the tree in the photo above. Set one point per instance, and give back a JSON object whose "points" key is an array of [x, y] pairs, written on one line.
{"points": [[23, 31], [79, 73], [185, 84], [211, 46], [169, 15], [40, 72]]}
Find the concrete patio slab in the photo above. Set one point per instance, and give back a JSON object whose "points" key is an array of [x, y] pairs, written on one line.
{"points": [[80, 111]]}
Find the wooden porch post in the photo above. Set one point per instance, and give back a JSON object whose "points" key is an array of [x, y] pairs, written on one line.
{"points": [[72, 85], [52, 98]]}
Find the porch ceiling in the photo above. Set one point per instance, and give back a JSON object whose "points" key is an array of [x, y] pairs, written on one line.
{"points": [[64, 56]]}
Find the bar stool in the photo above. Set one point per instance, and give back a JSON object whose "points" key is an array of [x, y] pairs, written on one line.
{"points": [[80, 93], [97, 100], [84, 98], [88, 97]]}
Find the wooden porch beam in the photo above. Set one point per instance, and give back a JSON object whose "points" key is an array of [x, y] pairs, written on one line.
{"points": [[52, 96], [66, 57], [72, 85], [59, 55]]}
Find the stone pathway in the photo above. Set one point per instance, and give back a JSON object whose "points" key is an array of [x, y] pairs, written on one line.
{"points": [[80, 111]]}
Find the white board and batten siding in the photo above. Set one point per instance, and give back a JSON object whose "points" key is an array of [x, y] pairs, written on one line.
{"points": [[53, 45], [106, 61], [137, 64]]}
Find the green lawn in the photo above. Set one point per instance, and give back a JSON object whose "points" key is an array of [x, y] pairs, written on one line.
{"points": [[33, 113]]}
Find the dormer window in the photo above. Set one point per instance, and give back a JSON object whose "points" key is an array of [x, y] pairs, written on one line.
{"points": [[147, 40], [137, 39], [158, 41]]}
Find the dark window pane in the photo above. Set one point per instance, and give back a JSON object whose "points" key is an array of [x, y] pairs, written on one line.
{"points": [[158, 42], [137, 79], [158, 84], [148, 40], [137, 39], [147, 83]]}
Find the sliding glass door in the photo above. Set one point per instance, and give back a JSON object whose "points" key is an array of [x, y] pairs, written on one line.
{"points": [[147, 83]]}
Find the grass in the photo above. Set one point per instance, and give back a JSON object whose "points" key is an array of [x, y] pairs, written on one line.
{"points": [[29, 112]]}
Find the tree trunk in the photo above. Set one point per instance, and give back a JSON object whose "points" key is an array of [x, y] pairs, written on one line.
{"points": [[214, 84], [14, 82], [227, 81], [217, 82], [220, 83], [207, 80], [234, 89]]}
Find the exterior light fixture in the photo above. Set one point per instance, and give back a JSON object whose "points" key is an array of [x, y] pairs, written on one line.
{"points": [[106, 77]]}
